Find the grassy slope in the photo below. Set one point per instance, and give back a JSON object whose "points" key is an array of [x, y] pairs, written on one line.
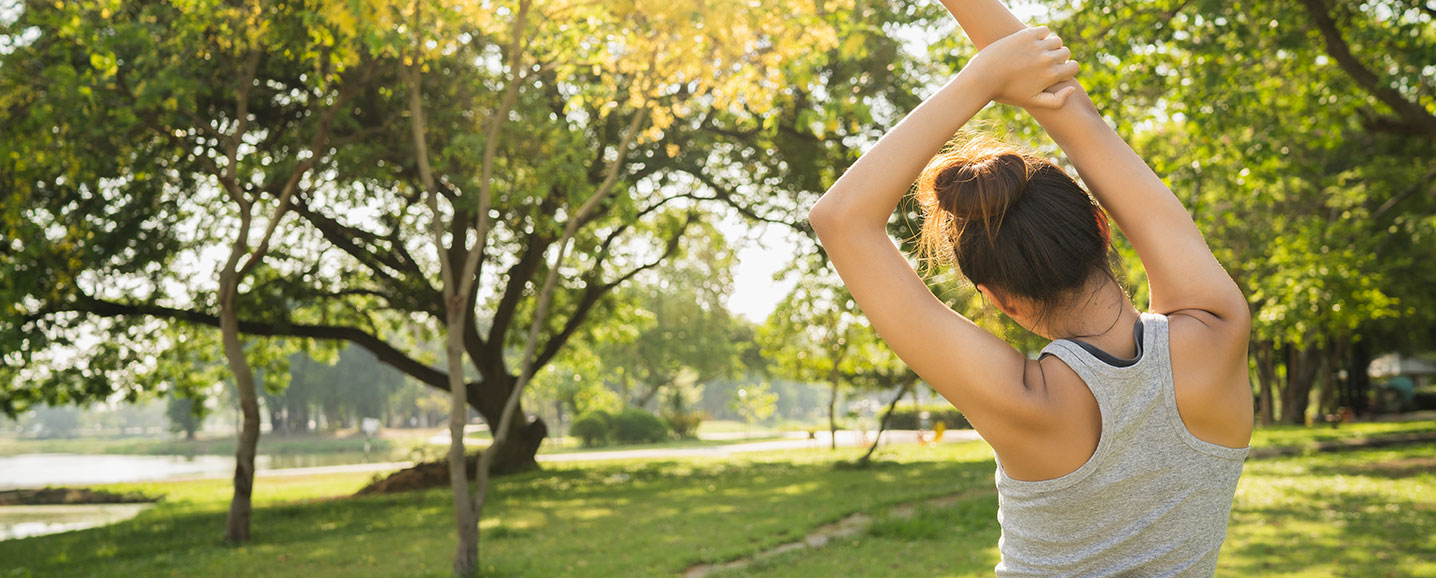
{"points": [[656, 518]]}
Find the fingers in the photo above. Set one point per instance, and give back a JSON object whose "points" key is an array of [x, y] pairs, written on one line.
{"points": [[1060, 55], [1050, 99]]}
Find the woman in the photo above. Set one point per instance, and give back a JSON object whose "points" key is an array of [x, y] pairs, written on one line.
{"points": [[1120, 446]]}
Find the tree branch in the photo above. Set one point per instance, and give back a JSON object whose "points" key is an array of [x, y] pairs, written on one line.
{"points": [[381, 349], [595, 291], [1340, 51]]}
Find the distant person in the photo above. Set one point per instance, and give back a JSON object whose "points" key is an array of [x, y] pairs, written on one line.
{"points": [[1119, 448]]}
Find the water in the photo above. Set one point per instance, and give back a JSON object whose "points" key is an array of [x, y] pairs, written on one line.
{"points": [[40, 470], [25, 521]]}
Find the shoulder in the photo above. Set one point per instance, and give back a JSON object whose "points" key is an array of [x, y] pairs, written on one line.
{"points": [[1217, 338], [1210, 375]]}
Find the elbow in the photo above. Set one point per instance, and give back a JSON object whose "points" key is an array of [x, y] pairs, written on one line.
{"points": [[1235, 312], [824, 217]]}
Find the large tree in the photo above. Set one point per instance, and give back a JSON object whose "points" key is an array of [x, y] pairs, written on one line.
{"points": [[1300, 136], [353, 266]]}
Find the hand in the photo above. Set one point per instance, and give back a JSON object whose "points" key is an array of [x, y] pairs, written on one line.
{"points": [[1021, 67]]}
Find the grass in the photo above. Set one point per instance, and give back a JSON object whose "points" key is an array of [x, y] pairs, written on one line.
{"points": [[593, 519], [1368, 512]]}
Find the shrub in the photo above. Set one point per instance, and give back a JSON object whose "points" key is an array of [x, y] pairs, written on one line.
{"points": [[636, 426], [905, 417], [594, 428], [684, 425]]}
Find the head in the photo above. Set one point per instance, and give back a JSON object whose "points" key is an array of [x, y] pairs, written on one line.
{"points": [[1026, 234]]}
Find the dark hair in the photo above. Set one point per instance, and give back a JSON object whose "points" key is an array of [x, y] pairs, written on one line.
{"points": [[1012, 221]]}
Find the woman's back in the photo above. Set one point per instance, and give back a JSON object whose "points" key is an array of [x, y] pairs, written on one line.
{"points": [[1152, 496]]}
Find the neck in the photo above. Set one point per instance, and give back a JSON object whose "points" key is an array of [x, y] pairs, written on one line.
{"points": [[1103, 317]]}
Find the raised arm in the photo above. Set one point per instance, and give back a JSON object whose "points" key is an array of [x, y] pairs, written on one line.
{"points": [[851, 221], [1183, 274]]}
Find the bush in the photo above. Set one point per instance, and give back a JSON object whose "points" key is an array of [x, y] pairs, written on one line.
{"points": [[684, 425], [905, 417], [636, 426], [594, 428]]}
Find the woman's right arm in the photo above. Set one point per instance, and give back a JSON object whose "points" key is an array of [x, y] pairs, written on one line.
{"points": [[1183, 275]]}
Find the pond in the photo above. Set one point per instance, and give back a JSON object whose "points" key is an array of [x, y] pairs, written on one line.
{"points": [[41, 470]]}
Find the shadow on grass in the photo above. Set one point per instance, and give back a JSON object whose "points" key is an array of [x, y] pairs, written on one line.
{"points": [[1359, 516]]}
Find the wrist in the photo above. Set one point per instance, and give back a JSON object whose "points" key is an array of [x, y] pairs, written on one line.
{"points": [[972, 85]]}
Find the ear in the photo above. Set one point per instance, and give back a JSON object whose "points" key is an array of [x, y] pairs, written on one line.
{"points": [[1004, 304]]}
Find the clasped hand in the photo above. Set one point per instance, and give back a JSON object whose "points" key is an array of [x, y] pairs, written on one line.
{"points": [[1022, 67]]}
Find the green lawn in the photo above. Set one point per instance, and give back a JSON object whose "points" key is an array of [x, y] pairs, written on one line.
{"points": [[1370, 512], [1360, 513]]}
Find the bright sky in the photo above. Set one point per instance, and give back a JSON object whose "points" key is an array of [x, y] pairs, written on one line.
{"points": [[762, 252]]}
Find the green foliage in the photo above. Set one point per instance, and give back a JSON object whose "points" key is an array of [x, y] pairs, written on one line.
{"points": [[594, 428], [186, 415], [754, 403], [684, 425], [637, 426], [905, 417], [630, 426]]}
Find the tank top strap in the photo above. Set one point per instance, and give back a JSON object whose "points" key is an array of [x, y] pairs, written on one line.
{"points": [[1113, 379]]}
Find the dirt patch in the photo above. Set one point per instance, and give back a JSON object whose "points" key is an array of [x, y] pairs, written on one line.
{"points": [[54, 496], [420, 476]]}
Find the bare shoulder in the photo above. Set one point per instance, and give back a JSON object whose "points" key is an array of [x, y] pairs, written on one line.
{"points": [[1049, 430], [1209, 372]]}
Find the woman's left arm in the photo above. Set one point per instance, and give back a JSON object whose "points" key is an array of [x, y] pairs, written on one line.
{"points": [[978, 372]]}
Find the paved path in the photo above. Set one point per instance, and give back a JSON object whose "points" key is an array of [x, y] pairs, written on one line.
{"points": [[793, 441]]}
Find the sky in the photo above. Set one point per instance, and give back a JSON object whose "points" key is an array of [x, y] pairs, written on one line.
{"points": [[762, 252]]}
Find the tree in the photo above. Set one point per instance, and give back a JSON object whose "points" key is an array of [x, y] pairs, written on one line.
{"points": [[186, 414], [1310, 181], [818, 334], [335, 276], [677, 331], [754, 403]]}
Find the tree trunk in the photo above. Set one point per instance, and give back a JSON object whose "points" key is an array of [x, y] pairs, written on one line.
{"points": [[1357, 379], [466, 554], [1333, 387], [516, 453], [1302, 365], [1266, 376], [883, 423], [833, 416], [236, 527], [277, 422]]}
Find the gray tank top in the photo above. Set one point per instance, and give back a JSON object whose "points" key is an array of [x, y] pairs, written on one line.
{"points": [[1153, 500]]}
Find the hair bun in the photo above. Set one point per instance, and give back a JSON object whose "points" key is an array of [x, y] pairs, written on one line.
{"points": [[1012, 221], [979, 189]]}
